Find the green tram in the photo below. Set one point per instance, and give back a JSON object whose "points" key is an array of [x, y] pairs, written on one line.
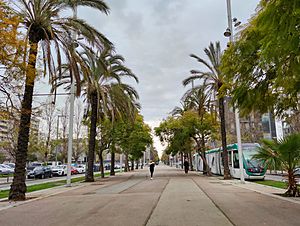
{"points": [[253, 169]]}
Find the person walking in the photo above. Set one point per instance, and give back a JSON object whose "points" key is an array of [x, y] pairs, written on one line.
{"points": [[186, 166], [151, 167]]}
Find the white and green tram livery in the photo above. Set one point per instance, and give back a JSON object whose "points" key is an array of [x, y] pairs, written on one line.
{"points": [[253, 169]]}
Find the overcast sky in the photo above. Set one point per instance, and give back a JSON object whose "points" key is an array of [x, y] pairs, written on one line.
{"points": [[156, 38]]}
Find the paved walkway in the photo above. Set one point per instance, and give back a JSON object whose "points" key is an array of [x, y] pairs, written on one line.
{"points": [[171, 198]]}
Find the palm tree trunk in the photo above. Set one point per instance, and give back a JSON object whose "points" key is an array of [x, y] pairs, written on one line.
{"points": [[292, 185], [223, 137], [92, 139], [112, 162], [18, 187]]}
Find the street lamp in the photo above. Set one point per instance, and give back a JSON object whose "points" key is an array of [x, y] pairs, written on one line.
{"points": [[71, 116], [57, 127], [229, 33]]}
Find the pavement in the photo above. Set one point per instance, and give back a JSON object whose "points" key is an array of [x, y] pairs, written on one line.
{"points": [[171, 198]]}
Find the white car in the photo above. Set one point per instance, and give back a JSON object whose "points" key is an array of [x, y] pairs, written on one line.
{"points": [[4, 169], [60, 170], [80, 168]]}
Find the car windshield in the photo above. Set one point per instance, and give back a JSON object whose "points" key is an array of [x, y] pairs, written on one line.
{"points": [[30, 167], [248, 152]]}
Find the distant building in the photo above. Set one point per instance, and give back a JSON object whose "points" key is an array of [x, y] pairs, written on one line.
{"points": [[254, 126]]}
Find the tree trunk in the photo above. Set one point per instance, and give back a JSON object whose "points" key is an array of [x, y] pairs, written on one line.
{"points": [[92, 139], [293, 190], [132, 165], [137, 164], [112, 162], [18, 187], [223, 137], [181, 158], [126, 163], [101, 164], [203, 156], [191, 161]]}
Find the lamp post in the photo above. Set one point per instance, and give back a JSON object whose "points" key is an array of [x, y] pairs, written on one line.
{"points": [[71, 117], [57, 126], [229, 33]]}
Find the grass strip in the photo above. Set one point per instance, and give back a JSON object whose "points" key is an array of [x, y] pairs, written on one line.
{"points": [[276, 184], [6, 175], [37, 187]]}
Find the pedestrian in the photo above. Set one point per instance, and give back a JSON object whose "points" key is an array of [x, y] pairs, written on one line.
{"points": [[186, 166], [151, 167]]}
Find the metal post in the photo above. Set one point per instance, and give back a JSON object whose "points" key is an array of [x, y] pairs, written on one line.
{"points": [[236, 111], [71, 116], [56, 140]]}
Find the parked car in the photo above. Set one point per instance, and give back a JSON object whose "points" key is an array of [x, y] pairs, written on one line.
{"points": [[11, 165], [117, 166], [36, 164], [39, 172], [297, 172], [107, 166], [80, 168], [6, 169], [60, 170], [74, 170]]}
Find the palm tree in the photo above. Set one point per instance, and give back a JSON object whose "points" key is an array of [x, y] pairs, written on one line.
{"points": [[287, 153], [199, 100], [102, 83], [125, 107], [213, 80], [45, 27]]}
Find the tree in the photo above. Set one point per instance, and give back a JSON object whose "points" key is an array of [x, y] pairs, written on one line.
{"points": [[103, 86], [287, 153], [264, 61], [133, 137], [78, 131], [48, 115], [215, 84], [11, 50], [45, 26]]}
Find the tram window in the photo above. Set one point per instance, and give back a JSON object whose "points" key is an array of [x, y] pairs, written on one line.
{"points": [[236, 163], [222, 159], [213, 161], [229, 158]]}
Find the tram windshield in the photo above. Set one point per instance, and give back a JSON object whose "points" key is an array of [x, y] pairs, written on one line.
{"points": [[248, 152]]}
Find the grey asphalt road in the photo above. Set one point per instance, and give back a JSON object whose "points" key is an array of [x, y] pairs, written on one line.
{"points": [[171, 198]]}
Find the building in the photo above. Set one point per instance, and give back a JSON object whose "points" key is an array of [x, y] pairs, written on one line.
{"points": [[9, 124], [254, 126]]}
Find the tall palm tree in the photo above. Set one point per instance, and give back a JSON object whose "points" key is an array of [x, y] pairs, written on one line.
{"points": [[124, 107], [103, 74], [213, 80], [199, 100], [46, 26], [287, 153]]}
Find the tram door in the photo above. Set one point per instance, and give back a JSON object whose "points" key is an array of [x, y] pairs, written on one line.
{"points": [[236, 164]]}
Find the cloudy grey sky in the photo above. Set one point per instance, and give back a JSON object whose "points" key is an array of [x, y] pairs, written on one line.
{"points": [[156, 38]]}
